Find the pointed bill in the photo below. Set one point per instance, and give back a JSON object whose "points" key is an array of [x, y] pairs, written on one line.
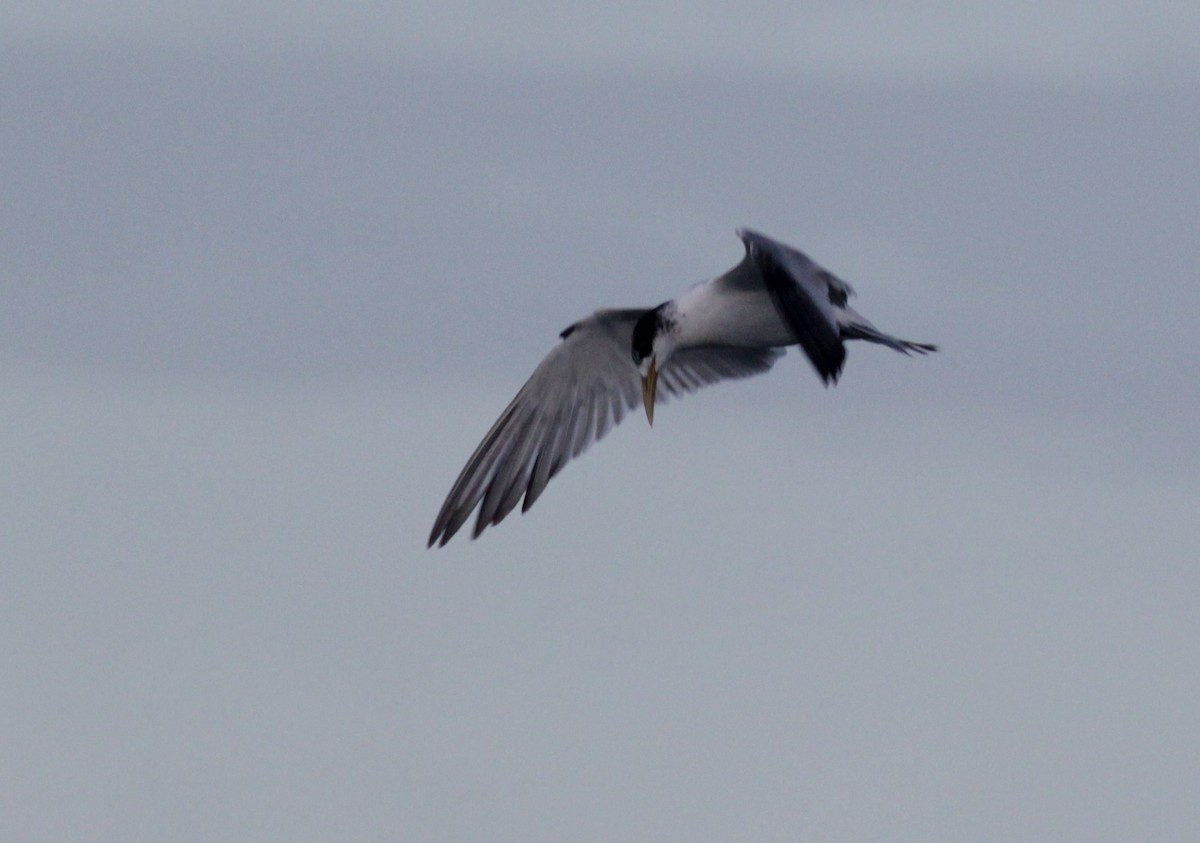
{"points": [[649, 386]]}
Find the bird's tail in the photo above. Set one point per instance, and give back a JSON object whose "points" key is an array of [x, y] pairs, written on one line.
{"points": [[866, 331]]}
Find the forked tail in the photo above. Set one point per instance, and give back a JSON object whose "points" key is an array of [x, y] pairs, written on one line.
{"points": [[868, 332]]}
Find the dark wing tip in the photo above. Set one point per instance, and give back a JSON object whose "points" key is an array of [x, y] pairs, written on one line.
{"points": [[810, 321], [443, 530], [439, 528]]}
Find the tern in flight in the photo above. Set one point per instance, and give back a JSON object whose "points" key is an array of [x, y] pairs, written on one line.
{"points": [[734, 326]]}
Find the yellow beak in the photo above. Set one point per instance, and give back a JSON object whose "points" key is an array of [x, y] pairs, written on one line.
{"points": [[649, 385]]}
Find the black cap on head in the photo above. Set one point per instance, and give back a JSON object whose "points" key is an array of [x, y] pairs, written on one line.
{"points": [[644, 333]]}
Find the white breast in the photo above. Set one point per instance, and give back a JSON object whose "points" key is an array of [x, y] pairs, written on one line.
{"points": [[717, 313]]}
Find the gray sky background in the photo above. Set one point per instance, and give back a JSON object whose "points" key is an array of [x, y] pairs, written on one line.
{"points": [[269, 273]]}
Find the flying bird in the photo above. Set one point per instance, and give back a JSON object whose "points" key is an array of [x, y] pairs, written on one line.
{"points": [[733, 326]]}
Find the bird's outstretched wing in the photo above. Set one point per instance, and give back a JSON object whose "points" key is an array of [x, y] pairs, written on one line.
{"points": [[582, 388], [814, 303], [804, 297]]}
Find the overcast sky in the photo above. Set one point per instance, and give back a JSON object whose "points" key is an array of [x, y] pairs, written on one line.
{"points": [[269, 273]]}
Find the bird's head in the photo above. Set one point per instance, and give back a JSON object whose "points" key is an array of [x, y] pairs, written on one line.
{"points": [[653, 342]]}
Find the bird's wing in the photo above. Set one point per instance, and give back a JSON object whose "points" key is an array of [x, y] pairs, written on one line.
{"points": [[804, 294], [582, 388], [689, 369]]}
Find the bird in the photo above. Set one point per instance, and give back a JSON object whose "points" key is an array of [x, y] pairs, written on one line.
{"points": [[733, 326]]}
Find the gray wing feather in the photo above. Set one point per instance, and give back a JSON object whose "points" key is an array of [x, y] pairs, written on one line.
{"points": [[554, 417], [803, 293], [579, 392], [692, 368]]}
